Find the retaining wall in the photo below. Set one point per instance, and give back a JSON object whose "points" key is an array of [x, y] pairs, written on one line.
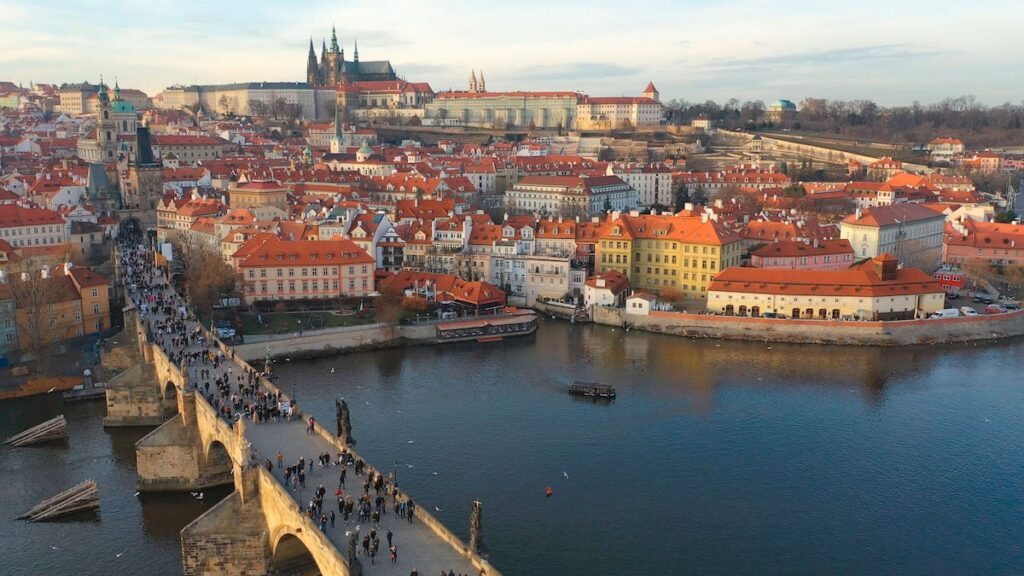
{"points": [[895, 333]]}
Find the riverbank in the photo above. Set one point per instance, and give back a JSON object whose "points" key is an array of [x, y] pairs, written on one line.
{"points": [[379, 336], [41, 385], [832, 332]]}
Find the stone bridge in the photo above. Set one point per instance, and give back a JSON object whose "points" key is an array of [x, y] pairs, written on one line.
{"points": [[260, 527]]}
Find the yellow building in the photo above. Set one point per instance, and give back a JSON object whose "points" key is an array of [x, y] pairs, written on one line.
{"points": [[63, 304], [877, 289], [677, 254]]}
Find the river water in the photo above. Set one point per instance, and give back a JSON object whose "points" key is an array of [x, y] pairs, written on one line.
{"points": [[716, 458]]}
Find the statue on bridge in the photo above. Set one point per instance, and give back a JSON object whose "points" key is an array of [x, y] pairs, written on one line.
{"points": [[353, 538], [343, 421], [476, 529]]}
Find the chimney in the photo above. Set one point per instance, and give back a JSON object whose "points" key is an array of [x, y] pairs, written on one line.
{"points": [[688, 206], [857, 214], [703, 217], [815, 242]]}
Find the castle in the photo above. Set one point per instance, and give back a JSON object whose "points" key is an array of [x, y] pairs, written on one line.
{"points": [[332, 68]]}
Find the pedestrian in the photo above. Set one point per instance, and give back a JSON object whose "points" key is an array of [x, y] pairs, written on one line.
{"points": [[332, 518], [389, 535]]}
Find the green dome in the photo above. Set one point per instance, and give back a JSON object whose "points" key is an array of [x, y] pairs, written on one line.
{"points": [[123, 107]]}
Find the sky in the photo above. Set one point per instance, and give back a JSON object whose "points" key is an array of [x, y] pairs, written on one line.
{"points": [[892, 52]]}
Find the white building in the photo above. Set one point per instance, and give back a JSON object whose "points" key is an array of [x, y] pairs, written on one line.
{"points": [[570, 195], [911, 232], [653, 182]]}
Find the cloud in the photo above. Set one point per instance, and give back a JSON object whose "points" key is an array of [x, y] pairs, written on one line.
{"points": [[858, 54], [420, 68], [574, 71]]}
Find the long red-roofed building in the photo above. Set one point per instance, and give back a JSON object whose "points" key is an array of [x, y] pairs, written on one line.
{"points": [[877, 289], [277, 270]]}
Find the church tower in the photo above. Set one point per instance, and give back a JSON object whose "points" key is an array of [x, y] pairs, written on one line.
{"points": [[472, 81], [312, 69], [106, 127], [481, 85]]}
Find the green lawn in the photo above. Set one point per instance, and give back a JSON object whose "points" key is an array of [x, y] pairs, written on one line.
{"points": [[280, 323]]}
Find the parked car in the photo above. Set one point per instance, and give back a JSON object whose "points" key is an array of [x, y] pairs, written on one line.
{"points": [[952, 296], [225, 332], [994, 309], [945, 313], [968, 311], [1011, 307]]}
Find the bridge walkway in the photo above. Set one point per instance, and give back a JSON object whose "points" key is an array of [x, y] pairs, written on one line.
{"points": [[418, 546]]}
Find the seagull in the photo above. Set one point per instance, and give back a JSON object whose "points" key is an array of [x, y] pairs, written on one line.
{"points": [[410, 441], [200, 497], [332, 370], [51, 389], [120, 554], [137, 493], [409, 466], [566, 474], [438, 509], [54, 548], [434, 473]]}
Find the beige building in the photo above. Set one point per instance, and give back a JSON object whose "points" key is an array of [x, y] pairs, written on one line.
{"points": [[609, 113], [189, 149], [250, 195], [874, 290]]}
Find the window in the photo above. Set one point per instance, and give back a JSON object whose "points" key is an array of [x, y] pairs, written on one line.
{"points": [[95, 309], [95, 292]]}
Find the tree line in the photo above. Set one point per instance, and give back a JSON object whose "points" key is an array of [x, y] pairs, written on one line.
{"points": [[964, 117]]}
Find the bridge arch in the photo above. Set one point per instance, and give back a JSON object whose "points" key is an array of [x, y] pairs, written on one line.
{"points": [[130, 225], [169, 398], [291, 555], [217, 463]]}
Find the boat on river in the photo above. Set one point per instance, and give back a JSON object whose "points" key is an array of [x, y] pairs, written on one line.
{"points": [[592, 390]]}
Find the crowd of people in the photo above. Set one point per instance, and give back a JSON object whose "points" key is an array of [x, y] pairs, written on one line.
{"points": [[234, 391]]}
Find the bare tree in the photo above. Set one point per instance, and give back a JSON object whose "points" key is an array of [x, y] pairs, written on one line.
{"points": [[36, 298]]}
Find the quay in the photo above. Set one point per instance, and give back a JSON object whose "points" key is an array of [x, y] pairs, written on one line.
{"points": [[260, 528]]}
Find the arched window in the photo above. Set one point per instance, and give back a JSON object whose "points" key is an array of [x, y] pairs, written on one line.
{"points": [[796, 312], [728, 310], [106, 115]]}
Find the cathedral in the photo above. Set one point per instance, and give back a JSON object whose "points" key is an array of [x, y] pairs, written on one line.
{"points": [[332, 68]]}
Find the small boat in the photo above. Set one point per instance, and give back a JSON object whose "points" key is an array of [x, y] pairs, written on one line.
{"points": [[592, 390], [81, 392]]}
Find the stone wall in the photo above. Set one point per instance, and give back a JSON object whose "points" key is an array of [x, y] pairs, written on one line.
{"points": [[133, 399], [229, 539], [897, 333], [321, 342]]}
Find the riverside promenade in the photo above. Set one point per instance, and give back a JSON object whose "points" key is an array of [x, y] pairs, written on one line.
{"points": [[423, 544]]}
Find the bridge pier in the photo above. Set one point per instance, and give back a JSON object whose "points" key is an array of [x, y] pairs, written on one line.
{"points": [[232, 538], [134, 397], [174, 458]]}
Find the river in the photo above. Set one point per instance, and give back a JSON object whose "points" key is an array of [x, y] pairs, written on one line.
{"points": [[716, 458]]}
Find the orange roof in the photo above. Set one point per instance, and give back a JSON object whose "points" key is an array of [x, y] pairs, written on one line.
{"points": [[860, 280], [613, 280], [448, 287], [686, 229], [790, 248], [274, 252], [15, 215], [892, 214]]}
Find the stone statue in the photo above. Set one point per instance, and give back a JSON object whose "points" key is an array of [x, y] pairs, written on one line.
{"points": [[476, 529], [344, 422]]}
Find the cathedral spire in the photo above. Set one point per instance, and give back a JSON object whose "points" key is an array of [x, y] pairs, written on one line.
{"points": [[355, 56], [334, 40]]}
